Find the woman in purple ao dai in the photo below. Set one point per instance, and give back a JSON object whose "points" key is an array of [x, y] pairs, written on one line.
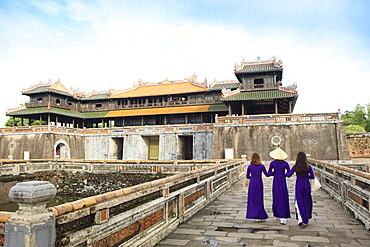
{"points": [[280, 196], [255, 204], [303, 198]]}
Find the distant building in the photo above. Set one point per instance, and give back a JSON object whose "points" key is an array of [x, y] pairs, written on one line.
{"points": [[257, 90]]}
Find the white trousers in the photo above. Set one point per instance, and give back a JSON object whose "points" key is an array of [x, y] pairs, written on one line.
{"points": [[297, 210]]}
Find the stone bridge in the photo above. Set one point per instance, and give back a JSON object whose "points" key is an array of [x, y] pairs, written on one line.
{"points": [[145, 214]]}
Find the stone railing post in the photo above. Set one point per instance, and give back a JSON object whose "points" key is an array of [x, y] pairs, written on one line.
{"points": [[32, 225]]}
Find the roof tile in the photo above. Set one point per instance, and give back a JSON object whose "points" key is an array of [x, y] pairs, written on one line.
{"points": [[260, 95]]}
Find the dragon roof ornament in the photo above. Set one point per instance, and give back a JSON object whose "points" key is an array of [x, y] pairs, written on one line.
{"points": [[58, 86], [258, 61]]}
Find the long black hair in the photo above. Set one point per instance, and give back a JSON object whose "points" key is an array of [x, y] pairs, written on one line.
{"points": [[301, 164]]}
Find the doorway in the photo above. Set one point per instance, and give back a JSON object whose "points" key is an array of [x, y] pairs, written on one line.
{"points": [[118, 143], [152, 145], [185, 147]]}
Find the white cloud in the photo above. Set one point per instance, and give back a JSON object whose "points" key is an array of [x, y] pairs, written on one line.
{"points": [[101, 49]]}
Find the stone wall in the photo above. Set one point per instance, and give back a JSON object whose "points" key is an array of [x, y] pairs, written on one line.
{"points": [[39, 145], [323, 141], [135, 146], [359, 145]]}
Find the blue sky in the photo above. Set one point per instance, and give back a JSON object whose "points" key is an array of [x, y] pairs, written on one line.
{"points": [[99, 45]]}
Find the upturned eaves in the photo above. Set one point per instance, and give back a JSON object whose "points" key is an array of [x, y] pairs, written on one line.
{"points": [[260, 95]]}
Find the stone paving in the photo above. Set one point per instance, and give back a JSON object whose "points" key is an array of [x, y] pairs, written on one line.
{"points": [[223, 224]]}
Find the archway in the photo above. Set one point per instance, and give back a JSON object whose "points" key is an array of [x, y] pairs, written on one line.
{"points": [[62, 150]]}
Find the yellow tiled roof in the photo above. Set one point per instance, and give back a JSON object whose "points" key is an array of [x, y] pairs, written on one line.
{"points": [[160, 89], [158, 111]]}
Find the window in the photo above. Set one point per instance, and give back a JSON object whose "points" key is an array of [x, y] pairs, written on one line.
{"points": [[98, 105], [57, 101], [39, 100], [258, 83]]}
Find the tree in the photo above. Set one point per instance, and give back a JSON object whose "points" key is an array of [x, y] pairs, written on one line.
{"points": [[359, 117], [26, 122], [17, 122]]}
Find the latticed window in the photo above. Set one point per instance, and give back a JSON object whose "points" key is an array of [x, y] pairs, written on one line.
{"points": [[258, 83]]}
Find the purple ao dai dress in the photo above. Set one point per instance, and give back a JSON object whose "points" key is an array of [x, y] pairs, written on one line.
{"points": [[255, 204], [280, 196], [303, 196]]}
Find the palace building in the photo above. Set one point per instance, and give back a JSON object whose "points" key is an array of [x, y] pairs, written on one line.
{"points": [[257, 90]]}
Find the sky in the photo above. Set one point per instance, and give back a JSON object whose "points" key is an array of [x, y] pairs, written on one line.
{"points": [[97, 45]]}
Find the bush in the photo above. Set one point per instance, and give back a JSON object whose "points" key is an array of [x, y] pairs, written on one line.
{"points": [[354, 128]]}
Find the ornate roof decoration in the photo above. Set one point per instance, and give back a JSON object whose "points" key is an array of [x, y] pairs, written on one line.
{"points": [[58, 87], [228, 93], [224, 82], [16, 109], [278, 65], [166, 87]]}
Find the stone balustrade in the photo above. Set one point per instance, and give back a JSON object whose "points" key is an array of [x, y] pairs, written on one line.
{"points": [[106, 130], [277, 118], [15, 167], [140, 215], [349, 187]]}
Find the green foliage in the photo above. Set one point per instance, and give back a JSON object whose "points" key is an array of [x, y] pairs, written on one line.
{"points": [[359, 117], [17, 122], [354, 129]]}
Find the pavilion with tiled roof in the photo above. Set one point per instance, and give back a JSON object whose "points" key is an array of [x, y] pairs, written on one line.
{"points": [[261, 90], [257, 90]]}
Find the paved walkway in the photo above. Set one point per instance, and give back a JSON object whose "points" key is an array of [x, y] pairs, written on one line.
{"points": [[223, 224]]}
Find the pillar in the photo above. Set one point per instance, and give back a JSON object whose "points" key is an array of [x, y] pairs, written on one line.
{"points": [[49, 122], [32, 225], [276, 108]]}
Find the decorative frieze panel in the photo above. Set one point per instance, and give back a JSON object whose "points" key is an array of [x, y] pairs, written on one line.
{"points": [[360, 201], [189, 200], [130, 231]]}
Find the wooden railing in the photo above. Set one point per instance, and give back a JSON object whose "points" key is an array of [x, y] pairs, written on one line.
{"points": [[349, 187], [141, 215]]}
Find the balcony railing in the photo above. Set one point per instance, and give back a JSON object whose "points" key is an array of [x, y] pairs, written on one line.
{"points": [[277, 118], [112, 130]]}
